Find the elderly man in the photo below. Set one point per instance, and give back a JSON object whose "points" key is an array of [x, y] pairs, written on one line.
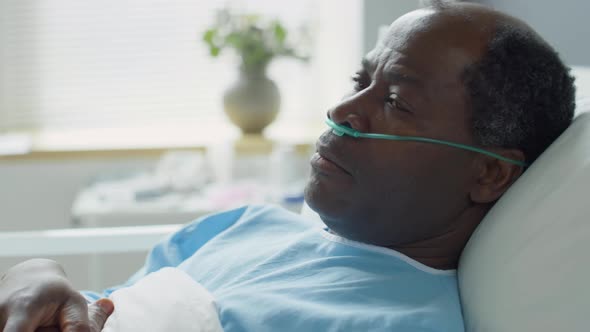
{"points": [[397, 214]]}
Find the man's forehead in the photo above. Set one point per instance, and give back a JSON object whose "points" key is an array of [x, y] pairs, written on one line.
{"points": [[422, 41], [385, 55], [371, 59], [399, 33], [395, 66]]}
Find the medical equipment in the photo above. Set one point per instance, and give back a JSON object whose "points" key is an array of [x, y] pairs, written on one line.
{"points": [[341, 130]]}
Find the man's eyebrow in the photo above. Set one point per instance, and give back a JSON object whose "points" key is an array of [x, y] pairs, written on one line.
{"points": [[392, 75]]}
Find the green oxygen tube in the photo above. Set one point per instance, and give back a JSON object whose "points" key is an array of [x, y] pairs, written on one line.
{"points": [[343, 130]]}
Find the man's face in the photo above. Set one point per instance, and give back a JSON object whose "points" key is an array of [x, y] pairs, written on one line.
{"points": [[389, 193]]}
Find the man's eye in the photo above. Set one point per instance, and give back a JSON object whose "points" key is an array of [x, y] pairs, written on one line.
{"points": [[359, 82], [396, 104]]}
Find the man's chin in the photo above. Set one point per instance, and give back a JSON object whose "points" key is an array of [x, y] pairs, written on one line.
{"points": [[312, 196], [328, 203]]}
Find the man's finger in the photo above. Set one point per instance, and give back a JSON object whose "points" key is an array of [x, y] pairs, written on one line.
{"points": [[21, 321], [17, 324], [98, 312], [74, 316]]}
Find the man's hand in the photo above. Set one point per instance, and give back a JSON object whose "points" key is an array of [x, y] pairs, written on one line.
{"points": [[98, 312], [36, 294]]}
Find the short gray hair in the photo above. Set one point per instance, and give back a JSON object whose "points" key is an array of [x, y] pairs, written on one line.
{"points": [[521, 93]]}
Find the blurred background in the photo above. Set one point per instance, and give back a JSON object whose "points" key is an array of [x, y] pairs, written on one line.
{"points": [[120, 112]]}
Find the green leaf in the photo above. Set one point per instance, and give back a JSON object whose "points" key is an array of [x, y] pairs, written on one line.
{"points": [[255, 40], [214, 50], [235, 40], [209, 35], [280, 32]]}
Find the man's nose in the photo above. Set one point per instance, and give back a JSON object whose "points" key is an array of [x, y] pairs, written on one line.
{"points": [[350, 112]]}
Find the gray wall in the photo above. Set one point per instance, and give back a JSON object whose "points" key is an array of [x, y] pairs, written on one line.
{"points": [[564, 23], [382, 12]]}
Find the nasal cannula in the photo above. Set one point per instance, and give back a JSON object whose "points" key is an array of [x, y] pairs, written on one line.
{"points": [[341, 130]]}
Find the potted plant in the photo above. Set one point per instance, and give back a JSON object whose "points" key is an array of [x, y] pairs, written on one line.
{"points": [[253, 101]]}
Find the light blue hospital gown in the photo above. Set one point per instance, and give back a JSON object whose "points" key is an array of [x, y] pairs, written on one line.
{"points": [[272, 270]]}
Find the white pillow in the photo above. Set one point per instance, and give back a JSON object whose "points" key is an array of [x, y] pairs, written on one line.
{"points": [[527, 266]]}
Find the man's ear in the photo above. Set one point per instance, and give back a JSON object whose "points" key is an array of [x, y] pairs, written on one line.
{"points": [[495, 176]]}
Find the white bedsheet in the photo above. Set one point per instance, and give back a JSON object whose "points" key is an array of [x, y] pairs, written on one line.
{"points": [[167, 300]]}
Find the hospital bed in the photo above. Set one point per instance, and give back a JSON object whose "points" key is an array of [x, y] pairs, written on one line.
{"points": [[526, 267]]}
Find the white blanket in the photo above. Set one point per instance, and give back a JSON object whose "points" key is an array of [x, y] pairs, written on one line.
{"points": [[164, 301]]}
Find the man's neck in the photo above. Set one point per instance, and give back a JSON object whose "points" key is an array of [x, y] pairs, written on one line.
{"points": [[442, 251]]}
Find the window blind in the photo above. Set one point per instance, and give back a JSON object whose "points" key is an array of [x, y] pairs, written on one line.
{"points": [[116, 63]]}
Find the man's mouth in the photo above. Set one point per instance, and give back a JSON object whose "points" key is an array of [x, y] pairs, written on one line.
{"points": [[326, 162]]}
